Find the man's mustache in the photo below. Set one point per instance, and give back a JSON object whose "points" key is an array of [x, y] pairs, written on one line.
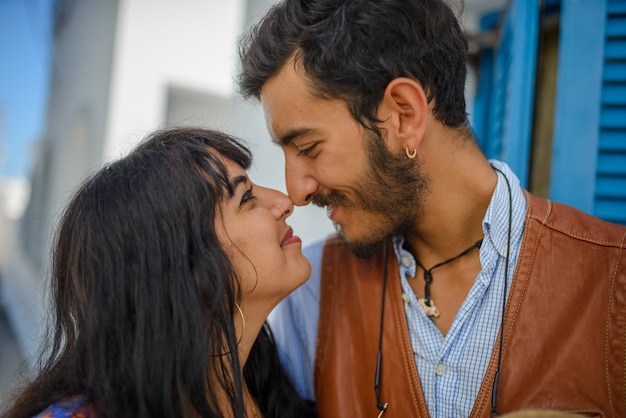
{"points": [[333, 198]]}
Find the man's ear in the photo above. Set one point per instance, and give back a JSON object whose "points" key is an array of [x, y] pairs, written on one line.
{"points": [[404, 111]]}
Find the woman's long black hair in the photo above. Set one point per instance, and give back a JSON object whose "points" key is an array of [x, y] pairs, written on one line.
{"points": [[144, 294]]}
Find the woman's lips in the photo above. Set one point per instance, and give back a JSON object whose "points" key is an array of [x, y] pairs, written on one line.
{"points": [[290, 238]]}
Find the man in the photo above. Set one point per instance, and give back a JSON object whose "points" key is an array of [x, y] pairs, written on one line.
{"points": [[450, 291]]}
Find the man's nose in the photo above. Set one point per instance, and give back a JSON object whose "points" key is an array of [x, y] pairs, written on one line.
{"points": [[301, 184]]}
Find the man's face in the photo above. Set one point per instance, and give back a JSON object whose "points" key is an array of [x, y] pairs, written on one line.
{"points": [[334, 162]]}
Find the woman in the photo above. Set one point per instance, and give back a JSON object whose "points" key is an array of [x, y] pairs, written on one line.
{"points": [[166, 264]]}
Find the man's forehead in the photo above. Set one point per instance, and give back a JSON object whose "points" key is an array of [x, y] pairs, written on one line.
{"points": [[283, 99]]}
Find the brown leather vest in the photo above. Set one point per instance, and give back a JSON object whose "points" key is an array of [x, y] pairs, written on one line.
{"points": [[564, 330]]}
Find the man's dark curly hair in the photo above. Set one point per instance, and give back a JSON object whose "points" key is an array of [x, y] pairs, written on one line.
{"points": [[352, 49]]}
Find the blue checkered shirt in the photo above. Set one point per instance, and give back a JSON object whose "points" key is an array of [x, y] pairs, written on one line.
{"points": [[451, 367]]}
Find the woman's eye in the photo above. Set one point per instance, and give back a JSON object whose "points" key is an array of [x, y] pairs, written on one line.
{"points": [[247, 196]]}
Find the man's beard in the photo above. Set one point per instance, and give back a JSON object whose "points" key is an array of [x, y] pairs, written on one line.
{"points": [[393, 187]]}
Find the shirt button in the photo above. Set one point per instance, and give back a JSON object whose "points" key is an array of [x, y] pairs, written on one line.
{"points": [[441, 369], [406, 261]]}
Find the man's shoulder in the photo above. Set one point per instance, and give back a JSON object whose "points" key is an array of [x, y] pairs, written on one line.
{"points": [[575, 223]]}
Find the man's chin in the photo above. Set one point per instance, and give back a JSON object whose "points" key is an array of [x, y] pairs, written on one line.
{"points": [[363, 249]]}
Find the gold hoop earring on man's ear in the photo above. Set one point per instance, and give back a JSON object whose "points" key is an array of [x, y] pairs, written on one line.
{"points": [[243, 322], [411, 155]]}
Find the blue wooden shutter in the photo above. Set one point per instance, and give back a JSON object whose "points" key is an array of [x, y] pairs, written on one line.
{"points": [[610, 196], [589, 154], [508, 124], [482, 98]]}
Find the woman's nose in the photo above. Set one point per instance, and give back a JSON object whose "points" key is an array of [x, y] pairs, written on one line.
{"points": [[280, 204]]}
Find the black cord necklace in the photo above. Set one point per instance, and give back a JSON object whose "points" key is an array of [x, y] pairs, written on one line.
{"points": [[426, 302], [382, 406]]}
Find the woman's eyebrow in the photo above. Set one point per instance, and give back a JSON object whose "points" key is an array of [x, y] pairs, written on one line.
{"points": [[237, 181]]}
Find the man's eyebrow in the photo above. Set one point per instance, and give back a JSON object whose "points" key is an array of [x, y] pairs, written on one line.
{"points": [[292, 134]]}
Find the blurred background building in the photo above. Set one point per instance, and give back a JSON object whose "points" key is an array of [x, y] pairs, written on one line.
{"points": [[546, 93]]}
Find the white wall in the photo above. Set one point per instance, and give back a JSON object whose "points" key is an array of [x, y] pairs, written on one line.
{"points": [[161, 43]]}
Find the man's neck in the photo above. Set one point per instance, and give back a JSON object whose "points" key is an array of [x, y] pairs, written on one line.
{"points": [[459, 194]]}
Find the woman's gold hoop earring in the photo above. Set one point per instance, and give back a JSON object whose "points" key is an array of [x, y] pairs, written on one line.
{"points": [[411, 155], [243, 322], [243, 325]]}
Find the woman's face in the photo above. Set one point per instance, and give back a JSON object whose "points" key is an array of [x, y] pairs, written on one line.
{"points": [[263, 249]]}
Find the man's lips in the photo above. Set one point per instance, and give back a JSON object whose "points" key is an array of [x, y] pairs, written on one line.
{"points": [[330, 211], [290, 238]]}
